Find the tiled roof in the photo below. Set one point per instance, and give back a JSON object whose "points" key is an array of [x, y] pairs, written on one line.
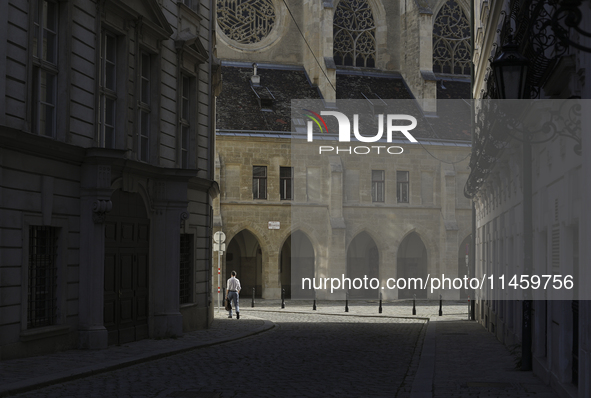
{"points": [[350, 86], [238, 108], [237, 105], [453, 89]]}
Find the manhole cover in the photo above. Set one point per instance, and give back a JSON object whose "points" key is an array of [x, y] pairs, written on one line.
{"points": [[454, 334], [193, 394]]}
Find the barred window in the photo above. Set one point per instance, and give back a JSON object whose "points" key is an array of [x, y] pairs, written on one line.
{"points": [[42, 300], [246, 21], [186, 269], [286, 183], [377, 185], [259, 182], [402, 186], [354, 33], [45, 67], [451, 40]]}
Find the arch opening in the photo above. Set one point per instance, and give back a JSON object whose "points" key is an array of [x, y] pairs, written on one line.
{"points": [[245, 256], [363, 262], [297, 261], [412, 263]]}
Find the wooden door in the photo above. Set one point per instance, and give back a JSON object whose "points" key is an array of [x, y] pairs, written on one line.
{"points": [[126, 269]]}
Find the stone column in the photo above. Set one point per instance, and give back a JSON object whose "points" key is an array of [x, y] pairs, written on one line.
{"points": [[337, 254], [95, 203], [271, 280], [170, 204]]}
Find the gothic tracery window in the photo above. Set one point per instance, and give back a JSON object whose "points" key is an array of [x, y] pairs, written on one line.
{"points": [[354, 33], [451, 40], [246, 21]]}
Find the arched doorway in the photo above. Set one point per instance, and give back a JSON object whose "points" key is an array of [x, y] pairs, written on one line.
{"points": [[127, 238], [296, 262], [463, 264], [363, 261], [412, 263], [246, 258]]}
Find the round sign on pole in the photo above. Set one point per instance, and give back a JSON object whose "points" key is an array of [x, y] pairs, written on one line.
{"points": [[219, 237]]}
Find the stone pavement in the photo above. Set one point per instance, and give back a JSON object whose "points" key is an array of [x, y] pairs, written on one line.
{"points": [[28, 373], [326, 352]]}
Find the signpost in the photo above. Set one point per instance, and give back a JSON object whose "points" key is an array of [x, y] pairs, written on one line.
{"points": [[219, 246]]}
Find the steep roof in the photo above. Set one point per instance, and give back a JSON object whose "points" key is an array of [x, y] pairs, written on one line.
{"points": [[239, 109], [268, 108]]}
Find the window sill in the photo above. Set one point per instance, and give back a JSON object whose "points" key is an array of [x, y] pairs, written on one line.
{"points": [[188, 305], [44, 332]]}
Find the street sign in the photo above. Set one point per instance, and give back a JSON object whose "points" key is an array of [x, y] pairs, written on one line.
{"points": [[219, 247], [274, 224], [219, 237]]}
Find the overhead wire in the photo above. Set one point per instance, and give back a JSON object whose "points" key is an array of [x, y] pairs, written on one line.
{"points": [[310, 48]]}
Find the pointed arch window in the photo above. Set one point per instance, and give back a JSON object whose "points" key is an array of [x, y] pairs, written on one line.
{"points": [[354, 33], [451, 40]]}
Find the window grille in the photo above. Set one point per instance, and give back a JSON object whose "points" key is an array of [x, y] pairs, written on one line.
{"points": [[354, 33], [246, 21], [451, 40], [186, 269], [42, 288]]}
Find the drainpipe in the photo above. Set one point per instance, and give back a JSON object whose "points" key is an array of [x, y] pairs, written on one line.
{"points": [[526, 321], [472, 116]]}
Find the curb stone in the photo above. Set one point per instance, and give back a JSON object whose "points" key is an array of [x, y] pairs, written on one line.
{"points": [[73, 374]]}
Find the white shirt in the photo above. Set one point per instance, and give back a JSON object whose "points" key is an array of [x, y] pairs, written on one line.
{"points": [[233, 284]]}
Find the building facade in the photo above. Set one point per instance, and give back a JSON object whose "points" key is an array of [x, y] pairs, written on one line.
{"points": [[398, 217], [500, 181], [106, 165]]}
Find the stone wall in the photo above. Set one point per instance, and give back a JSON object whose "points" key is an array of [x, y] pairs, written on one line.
{"points": [[332, 217]]}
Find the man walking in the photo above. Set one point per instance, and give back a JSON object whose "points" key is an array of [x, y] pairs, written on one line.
{"points": [[232, 292]]}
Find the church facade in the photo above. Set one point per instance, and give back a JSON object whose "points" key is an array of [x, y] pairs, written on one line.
{"points": [[399, 216]]}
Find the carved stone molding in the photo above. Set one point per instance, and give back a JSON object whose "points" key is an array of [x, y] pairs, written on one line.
{"points": [[184, 217], [100, 208]]}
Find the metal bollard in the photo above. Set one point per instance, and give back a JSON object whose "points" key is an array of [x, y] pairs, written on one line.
{"points": [[252, 302], [347, 302], [282, 298], [440, 304], [314, 305], [414, 308], [380, 309]]}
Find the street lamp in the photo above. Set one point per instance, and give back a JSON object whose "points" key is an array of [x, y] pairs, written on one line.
{"points": [[510, 71]]}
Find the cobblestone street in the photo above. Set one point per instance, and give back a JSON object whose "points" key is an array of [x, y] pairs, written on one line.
{"points": [[307, 353]]}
